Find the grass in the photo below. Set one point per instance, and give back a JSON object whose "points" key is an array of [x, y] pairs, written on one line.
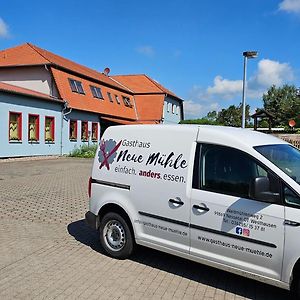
{"points": [[84, 151]]}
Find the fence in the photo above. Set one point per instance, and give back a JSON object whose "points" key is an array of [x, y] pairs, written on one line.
{"points": [[295, 143], [293, 139]]}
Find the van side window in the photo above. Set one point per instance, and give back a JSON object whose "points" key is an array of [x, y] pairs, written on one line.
{"points": [[227, 170], [291, 197]]}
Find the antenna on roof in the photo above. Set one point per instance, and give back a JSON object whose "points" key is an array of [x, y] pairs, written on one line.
{"points": [[106, 71]]}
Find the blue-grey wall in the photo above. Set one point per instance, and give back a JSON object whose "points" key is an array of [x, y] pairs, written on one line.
{"points": [[43, 108], [26, 105], [172, 116]]}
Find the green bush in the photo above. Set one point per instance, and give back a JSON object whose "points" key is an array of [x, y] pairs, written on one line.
{"points": [[84, 151]]}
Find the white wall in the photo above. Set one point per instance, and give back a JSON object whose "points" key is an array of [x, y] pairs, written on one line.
{"points": [[36, 78]]}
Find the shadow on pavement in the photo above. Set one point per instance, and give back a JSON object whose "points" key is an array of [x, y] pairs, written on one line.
{"points": [[85, 235], [224, 281]]}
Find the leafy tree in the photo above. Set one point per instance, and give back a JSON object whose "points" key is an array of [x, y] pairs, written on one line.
{"points": [[231, 116], [202, 121], [283, 103]]}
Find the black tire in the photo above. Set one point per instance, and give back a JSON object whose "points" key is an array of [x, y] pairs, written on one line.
{"points": [[295, 288], [115, 236]]}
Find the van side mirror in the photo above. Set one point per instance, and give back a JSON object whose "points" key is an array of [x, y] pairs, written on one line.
{"points": [[260, 190]]}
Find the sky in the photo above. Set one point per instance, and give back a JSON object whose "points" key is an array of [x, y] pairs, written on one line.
{"points": [[192, 47]]}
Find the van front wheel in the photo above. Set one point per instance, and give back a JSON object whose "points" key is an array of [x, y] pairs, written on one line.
{"points": [[115, 236]]}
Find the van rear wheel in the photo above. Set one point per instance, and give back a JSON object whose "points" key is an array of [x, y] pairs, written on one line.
{"points": [[115, 236]]}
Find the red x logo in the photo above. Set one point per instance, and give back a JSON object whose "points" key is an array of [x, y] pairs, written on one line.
{"points": [[107, 155]]}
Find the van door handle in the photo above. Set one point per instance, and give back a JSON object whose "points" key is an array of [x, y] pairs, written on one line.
{"points": [[291, 223], [177, 200], [200, 207]]}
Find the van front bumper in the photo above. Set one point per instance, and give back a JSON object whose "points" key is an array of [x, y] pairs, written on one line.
{"points": [[92, 220]]}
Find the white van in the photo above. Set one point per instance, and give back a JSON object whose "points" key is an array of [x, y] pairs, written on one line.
{"points": [[225, 197]]}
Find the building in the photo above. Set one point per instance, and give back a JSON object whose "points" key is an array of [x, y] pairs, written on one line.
{"points": [[51, 105], [168, 108]]}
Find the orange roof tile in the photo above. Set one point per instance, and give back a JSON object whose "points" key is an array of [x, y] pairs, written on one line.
{"points": [[126, 122], [149, 107], [142, 84], [28, 54], [27, 92], [146, 93], [87, 102]]}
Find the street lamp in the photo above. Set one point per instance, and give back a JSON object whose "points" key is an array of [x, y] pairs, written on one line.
{"points": [[246, 54]]}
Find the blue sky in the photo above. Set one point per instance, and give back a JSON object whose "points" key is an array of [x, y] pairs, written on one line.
{"points": [[192, 47]]}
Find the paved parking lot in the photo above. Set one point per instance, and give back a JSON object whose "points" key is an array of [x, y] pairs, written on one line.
{"points": [[47, 251]]}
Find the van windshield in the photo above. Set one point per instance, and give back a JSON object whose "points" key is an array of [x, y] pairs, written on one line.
{"points": [[285, 157]]}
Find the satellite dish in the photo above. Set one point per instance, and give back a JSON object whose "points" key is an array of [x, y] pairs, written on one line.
{"points": [[106, 71], [292, 123]]}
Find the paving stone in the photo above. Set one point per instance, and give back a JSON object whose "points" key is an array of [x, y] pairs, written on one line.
{"points": [[48, 252]]}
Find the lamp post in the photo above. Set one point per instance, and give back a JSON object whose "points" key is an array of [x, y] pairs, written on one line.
{"points": [[246, 54]]}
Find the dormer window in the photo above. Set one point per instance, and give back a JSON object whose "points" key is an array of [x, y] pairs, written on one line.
{"points": [[117, 99], [76, 86], [96, 91], [126, 101], [110, 97]]}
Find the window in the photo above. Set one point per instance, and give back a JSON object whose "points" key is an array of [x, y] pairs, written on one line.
{"points": [[173, 108], [94, 131], [73, 130], [227, 171], [33, 128], [126, 101], [49, 129], [177, 110], [76, 86], [169, 107], [84, 131], [285, 157], [96, 91], [15, 126], [117, 99], [291, 197], [110, 97]]}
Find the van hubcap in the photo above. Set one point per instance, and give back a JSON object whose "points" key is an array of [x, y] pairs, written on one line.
{"points": [[114, 235]]}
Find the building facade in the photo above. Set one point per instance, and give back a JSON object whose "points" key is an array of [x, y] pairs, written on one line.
{"points": [[50, 105]]}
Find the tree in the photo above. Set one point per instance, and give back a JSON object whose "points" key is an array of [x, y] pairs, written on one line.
{"points": [[232, 116], [283, 103]]}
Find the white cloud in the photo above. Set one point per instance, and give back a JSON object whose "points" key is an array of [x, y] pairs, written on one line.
{"points": [[269, 72], [3, 29], [225, 88], [146, 50], [224, 92], [272, 72], [192, 109], [292, 6]]}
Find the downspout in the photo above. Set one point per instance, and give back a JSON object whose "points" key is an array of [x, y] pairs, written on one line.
{"points": [[64, 113]]}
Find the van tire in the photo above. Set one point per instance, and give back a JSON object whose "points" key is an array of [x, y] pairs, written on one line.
{"points": [[295, 288], [115, 236]]}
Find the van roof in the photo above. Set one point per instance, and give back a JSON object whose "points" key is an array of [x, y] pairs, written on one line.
{"points": [[223, 135]]}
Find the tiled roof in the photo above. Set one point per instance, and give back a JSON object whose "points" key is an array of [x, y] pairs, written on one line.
{"points": [[149, 107], [87, 102], [146, 95], [142, 84], [126, 122], [28, 54], [8, 88]]}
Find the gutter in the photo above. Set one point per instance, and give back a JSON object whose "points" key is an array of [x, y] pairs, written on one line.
{"points": [[64, 113]]}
